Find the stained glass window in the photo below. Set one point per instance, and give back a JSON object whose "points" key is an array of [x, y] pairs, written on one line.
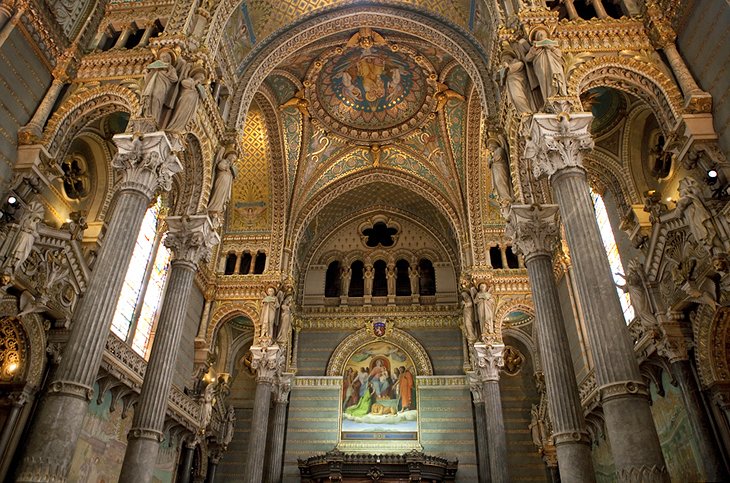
{"points": [[614, 260], [144, 284]]}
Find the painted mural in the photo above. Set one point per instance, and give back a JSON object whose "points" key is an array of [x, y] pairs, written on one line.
{"points": [[371, 85], [379, 395]]}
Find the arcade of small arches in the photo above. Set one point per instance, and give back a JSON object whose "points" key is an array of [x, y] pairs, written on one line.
{"points": [[470, 240]]}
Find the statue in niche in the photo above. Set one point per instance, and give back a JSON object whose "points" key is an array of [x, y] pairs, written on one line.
{"points": [[160, 86], [414, 275], [284, 331], [191, 91], [499, 166], [269, 307], [484, 301], [390, 278], [224, 175], [25, 237], [345, 275], [635, 286], [229, 428], [692, 206], [548, 65], [206, 410], [368, 276], [467, 307], [513, 76]]}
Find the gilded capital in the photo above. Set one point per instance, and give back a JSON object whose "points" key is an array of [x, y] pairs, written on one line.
{"points": [[191, 237], [533, 229], [558, 141], [147, 162]]}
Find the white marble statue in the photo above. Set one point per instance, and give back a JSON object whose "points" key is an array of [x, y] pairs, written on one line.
{"points": [[26, 236], [467, 306], [206, 410], [499, 166], [692, 206], [513, 76], [345, 275], [368, 276], [484, 302], [191, 91], [284, 331], [229, 428], [159, 84], [390, 278], [548, 64], [414, 276], [635, 286], [269, 307], [221, 193]]}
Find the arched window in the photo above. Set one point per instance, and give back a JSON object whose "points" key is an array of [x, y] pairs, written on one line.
{"points": [[402, 280], [495, 257], [260, 264], [357, 280], [609, 243], [245, 267], [428, 277], [380, 283], [512, 260], [141, 296], [230, 264], [332, 280]]}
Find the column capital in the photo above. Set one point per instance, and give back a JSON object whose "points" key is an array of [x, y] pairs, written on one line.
{"points": [[475, 386], [533, 229], [558, 141], [488, 361], [265, 362], [283, 387], [190, 237], [147, 162]]}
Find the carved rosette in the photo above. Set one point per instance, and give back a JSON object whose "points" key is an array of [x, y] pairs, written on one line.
{"points": [[191, 238], [146, 162], [265, 363], [488, 361], [533, 229], [558, 141]]}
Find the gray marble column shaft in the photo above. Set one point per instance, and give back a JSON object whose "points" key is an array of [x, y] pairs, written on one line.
{"points": [[556, 147], [276, 443], [190, 239], [187, 463], [480, 425], [566, 413], [57, 422], [496, 435], [711, 460], [258, 434]]}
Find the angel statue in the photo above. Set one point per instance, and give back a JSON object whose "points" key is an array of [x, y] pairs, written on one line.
{"points": [[191, 91], [513, 76], [484, 301], [221, 193], [159, 86], [269, 307], [284, 331], [467, 304]]}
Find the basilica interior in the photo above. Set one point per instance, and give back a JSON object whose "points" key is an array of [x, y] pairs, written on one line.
{"points": [[391, 241]]}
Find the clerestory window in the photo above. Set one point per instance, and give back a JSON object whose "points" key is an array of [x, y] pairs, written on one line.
{"points": [[139, 303]]}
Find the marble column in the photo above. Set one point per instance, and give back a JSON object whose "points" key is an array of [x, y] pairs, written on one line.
{"points": [[711, 460], [213, 460], [186, 468], [556, 147], [190, 239], [275, 442], [488, 361], [265, 364], [34, 128], [480, 426], [535, 234], [146, 163]]}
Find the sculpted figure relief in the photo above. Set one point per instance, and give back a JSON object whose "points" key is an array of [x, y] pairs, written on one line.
{"points": [[368, 275], [390, 276], [191, 91], [548, 64], [284, 331], [159, 86], [414, 277], [513, 76], [499, 165], [467, 306], [221, 193], [692, 206], [635, 286], [26, 236], [229, 429], [269, 306], [345, 275], [484, 302]]}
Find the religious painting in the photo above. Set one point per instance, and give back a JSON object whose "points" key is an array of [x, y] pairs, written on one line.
{"points": [[379, 395]]}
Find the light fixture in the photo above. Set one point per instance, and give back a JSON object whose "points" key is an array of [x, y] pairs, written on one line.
{"points": [[12, 200], [12, 367], [712, 176]]}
